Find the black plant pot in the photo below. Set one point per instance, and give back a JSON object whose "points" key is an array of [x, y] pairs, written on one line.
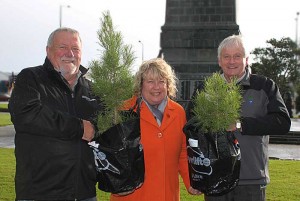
{"points": [[214, 160], [120, 157]]}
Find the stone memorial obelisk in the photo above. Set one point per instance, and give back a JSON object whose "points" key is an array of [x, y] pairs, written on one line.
{"points": [[190, 37]]}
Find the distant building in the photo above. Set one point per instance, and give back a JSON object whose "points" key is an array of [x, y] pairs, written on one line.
{"points": [[6, 85]]}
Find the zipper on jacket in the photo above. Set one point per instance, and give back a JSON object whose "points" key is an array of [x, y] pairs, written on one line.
{"points": [[73, 103]]}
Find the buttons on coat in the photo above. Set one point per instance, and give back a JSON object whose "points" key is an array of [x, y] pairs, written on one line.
{"points": [[159, 135]]}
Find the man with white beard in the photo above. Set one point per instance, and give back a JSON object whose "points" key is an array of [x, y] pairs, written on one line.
{"points": [[54, 110]]}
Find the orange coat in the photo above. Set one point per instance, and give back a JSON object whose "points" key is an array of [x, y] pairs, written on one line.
{"points": [[164, 154]]}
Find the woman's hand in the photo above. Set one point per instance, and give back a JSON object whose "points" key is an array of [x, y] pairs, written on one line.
{"points": [[193, 191]]}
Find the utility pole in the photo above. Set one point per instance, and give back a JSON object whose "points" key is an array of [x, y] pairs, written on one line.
{"points": [[296, 40], [142, 50], [60, 13]]}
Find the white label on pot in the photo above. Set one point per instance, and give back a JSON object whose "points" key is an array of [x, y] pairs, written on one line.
{"points": [[93, 144], [193, 142]]}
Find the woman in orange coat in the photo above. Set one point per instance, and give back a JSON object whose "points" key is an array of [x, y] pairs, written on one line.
{"points": [[163, 140]]}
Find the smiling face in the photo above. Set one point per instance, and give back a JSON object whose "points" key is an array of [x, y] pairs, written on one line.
{"points": [[65, 53], [154, 88], [233, 62]]}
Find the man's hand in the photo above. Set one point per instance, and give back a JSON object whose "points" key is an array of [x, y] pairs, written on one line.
{"points": [[88, 131], [235, 126], [232, 127]]}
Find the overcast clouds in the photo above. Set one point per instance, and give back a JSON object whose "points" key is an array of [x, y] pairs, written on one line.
{"points": [[26, 25]]}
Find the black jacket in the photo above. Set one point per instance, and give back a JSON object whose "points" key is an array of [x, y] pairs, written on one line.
{"points": [[52, 161]]}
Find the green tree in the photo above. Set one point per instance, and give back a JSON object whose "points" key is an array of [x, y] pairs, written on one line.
{"points": [[218, 105], [278, 61], [111, 74]]}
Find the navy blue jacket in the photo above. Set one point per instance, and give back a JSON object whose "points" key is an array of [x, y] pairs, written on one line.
{"points": [[263, 113]]}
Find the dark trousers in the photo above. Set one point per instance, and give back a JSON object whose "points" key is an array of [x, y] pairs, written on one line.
{"points": [[242, 193], [89, 199]]}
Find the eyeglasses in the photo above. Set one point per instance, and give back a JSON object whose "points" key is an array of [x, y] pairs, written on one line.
{"points": [[236, 57]]}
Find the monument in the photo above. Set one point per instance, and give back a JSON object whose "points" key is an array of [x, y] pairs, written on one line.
{"points": [[190, 37]]}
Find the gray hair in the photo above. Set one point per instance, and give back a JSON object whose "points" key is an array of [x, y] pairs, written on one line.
{"points": [[232, 41], [62, 29]]}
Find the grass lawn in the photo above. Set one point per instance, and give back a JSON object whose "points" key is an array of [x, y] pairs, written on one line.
{"points": [[285, 176], [285, 180], [3, 105], [4, 116], [5, 119]]}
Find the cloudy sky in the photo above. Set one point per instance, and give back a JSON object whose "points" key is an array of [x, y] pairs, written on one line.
{"points": [[26, 25]]}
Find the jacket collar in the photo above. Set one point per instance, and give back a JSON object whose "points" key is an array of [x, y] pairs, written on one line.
{"points": [[53, 72], [246, 79], [169, 114]]}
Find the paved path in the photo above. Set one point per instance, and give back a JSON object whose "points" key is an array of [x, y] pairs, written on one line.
{"points": [[284, 151], [295, 126], [280, 151], [7, 134]]}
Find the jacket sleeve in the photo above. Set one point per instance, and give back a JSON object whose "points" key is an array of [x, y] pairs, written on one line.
{"points": [[183, 161], [275, 122], [29, 115]]}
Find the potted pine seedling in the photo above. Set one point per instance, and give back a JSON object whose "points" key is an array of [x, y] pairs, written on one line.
{"points": [[213, 152], [117, 149]]}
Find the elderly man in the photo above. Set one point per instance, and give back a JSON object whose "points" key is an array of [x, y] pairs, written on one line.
{"points": [[53, 111], [263, 113]]}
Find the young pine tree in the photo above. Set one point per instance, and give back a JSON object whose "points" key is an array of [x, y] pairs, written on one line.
{"points": [[218, 105], [111, 74]]}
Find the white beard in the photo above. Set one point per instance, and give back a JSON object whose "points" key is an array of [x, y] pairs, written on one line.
{"points": [[68, 72]]}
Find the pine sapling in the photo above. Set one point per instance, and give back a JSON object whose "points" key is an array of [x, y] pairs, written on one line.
{"points": [[111, 74], [218, 105]]}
